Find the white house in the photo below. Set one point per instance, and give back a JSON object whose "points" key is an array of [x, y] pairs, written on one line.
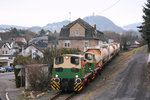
{"points": [[32, 51], [7, 48]]}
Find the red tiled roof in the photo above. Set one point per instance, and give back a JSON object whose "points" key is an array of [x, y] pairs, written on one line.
{"points": [[17, 39]]}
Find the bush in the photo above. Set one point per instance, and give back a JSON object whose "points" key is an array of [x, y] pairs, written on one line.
{"points": [[38, 77]]}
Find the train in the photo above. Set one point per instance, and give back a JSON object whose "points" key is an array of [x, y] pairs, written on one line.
{"points": [[72, 72]]}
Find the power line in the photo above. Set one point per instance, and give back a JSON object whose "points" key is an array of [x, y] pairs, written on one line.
{"points": [[110, 6]]}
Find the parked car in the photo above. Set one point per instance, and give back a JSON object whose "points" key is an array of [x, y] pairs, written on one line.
{"points": [[2, 69], [9, 69]]}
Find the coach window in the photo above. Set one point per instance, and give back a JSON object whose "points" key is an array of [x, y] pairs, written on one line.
{"points": [[75, 60], [59, 60], [88, 56]]}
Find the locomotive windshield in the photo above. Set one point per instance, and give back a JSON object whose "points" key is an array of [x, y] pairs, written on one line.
{"points": [[59, 60], [75, 60], [88, 56]]}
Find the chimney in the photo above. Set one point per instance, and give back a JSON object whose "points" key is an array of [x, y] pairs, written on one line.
{"points": [[95, 26]]}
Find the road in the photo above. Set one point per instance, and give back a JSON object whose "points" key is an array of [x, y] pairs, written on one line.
{"points": [[7, 83], [124, 79], [131, 82]]}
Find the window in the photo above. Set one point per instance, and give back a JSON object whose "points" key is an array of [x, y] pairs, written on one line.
{"points": [[67, 44], [75, 60], [59, 69], [6, 52], [88, 56], [86, 44], [74, 70], [4, 46], [59, 60], [3, 52], [36, 51], [77, 32]]}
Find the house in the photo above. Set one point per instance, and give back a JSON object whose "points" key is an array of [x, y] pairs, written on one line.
{"points": [[7, 53], [6, 48], [40, 42], [134, 44], [6, 60], [33, 51], [19, 40], [19, 46], [42, 39], [79, 34]]}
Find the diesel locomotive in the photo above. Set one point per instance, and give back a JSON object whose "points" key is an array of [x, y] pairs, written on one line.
{"points": [[71, 72]]}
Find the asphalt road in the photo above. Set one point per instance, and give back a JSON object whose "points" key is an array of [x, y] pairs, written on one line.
{"points": [[6, 83], [131, 82]]}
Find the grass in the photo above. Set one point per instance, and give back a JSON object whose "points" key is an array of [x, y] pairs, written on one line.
{"points": [[21, 96]]}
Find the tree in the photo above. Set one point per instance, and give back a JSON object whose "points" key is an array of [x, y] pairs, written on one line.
{"points": [[113, 35], [14, 31], [42, 32], [145, 27], [128, 38]]}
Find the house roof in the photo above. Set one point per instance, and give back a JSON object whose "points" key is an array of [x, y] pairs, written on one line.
{"points": [[21, 44], [1, 43], [5, 43], [37, 47], [17, 39], [35, 40], [41, 44], [81, 22], [90, 32]]}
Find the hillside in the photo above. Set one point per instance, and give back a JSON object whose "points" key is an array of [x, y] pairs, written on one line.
{"points": [[56, 26], [102, 23], [132, 26]]}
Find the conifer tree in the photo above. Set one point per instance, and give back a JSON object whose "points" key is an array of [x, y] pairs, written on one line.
{"points": [[145, 27]]}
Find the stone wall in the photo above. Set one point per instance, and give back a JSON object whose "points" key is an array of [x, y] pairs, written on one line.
{"points": [[76, 27], [80, 44]]}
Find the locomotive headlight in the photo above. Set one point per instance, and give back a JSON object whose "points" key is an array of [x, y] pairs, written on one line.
{"points": [[57, 80], [56, 75], [66, 57], [78, 81], [76, 76]]}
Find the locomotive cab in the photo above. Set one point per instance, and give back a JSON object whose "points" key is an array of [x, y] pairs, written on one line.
{"points": [[68, 72], [90, 61]]}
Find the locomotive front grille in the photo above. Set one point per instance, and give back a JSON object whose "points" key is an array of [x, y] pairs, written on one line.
{"points": [[67, 84]]}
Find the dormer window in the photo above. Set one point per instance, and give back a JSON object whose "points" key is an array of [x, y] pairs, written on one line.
{"points": [[77, 32]]}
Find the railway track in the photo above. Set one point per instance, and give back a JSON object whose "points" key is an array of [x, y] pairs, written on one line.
{"points": [[62, 96]]}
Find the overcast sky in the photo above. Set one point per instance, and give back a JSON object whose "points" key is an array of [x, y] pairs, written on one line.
{"points": [[42, 12]]}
